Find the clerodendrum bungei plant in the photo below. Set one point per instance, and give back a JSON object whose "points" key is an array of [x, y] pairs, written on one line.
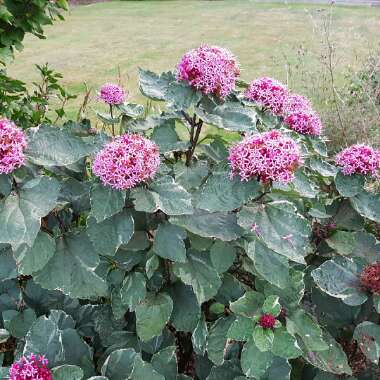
{"points": [[167, 253]]}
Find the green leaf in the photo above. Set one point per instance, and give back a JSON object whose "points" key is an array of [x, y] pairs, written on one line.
{"points": [[190, 177], [221, 193], [217, 338], [249, 304], [52, 146], [254, 362], [349, 185], [200, 274], [367, 205], [18, 323], [165, 362], [285, 345], [271, 266], [181, 96], [133, 290], [222, 256], [5, 185], [241, 329], [323, 168], [280, 227], [4, 335], [376, 302], [165, 195], [8, 268], [366, 246], [119, 364], [65, 372], [72, 268], [217, 224], [20, 214], [169, 242], [107, 119], [229, 116], [367, 334], [152, 314], [105, 201], [154, 86], [199, 336], [339, 278], [272, 305], [143, 371], [343, 242], [31, 260], [186, 309], [230, 369], [131, 109], [303, 325], [166, 137], [110, 234], [263, 338]]}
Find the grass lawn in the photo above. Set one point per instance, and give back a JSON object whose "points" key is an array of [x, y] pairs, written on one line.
{"points": [[95, 39]]}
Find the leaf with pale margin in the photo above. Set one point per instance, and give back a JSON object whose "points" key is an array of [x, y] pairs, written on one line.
{"points": [[214, 225], [339, 277], [169, 242], [20, 214], [285, 345], [110, 234], [367, 334], [133, 290], [165, 362], [52, 146], [200, 274], [152, 314], [72, 269], [249, 304], [119, 364], [221, 193], [367, 205], [199, 336], [216, 339], [166, 137], [222, 256], [143, 370], [280, 227], [105, 201], [155, 86], [65, 372], [181, 96], [349, 185]]}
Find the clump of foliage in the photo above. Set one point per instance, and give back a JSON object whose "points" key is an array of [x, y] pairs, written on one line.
{"points": [[256, 261]]}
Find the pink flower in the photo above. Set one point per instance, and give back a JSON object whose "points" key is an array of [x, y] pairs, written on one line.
{"points": [[296, 103], [126, 161], [210, 69], [268, 93], [360, 159], [267, 321], [30, 368], [304, 122], [112, 94], [370, 278], [269, 156], [12, 145]]}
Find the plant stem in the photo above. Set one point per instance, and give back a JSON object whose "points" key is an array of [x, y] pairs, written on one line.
{"points": [[194, 132], [113, 125]]}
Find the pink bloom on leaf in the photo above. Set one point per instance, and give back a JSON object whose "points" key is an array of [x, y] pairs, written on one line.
{"points": [[359, 159], [127, 161], [267, 321], [30, 368], [210, 69], [12, 145], [304, 122], [112, 94], [268, 93], [268, 156]]}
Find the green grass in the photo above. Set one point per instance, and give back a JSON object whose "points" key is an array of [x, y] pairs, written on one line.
{"points": [[94, 40]]}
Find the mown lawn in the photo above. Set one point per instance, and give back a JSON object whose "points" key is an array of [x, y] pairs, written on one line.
{"points": [[95, 40]]}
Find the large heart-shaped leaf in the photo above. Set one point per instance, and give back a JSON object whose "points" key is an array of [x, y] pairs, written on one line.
{"points": [[367, 205]]}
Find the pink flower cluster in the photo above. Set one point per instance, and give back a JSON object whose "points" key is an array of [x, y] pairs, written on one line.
{"points": [[296, 103], [112, 94], [268, 93], [359, 159], [210, 69], [270, 156], [12, 145], [304, 122], [267, 321], [30, 368], [126, 161]]}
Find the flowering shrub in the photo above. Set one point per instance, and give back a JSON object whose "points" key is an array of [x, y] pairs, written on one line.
{"points": [[307, 123], [150, 249]]}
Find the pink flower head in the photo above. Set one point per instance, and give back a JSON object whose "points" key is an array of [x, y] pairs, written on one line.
{"points": [[296, 103], [210, 69], [12, 145], [30, 368], [126, 161], [370, 278], [268, 93], [267, 321], [360, 159], [305, 122], [112, 94], [270, 156]]}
